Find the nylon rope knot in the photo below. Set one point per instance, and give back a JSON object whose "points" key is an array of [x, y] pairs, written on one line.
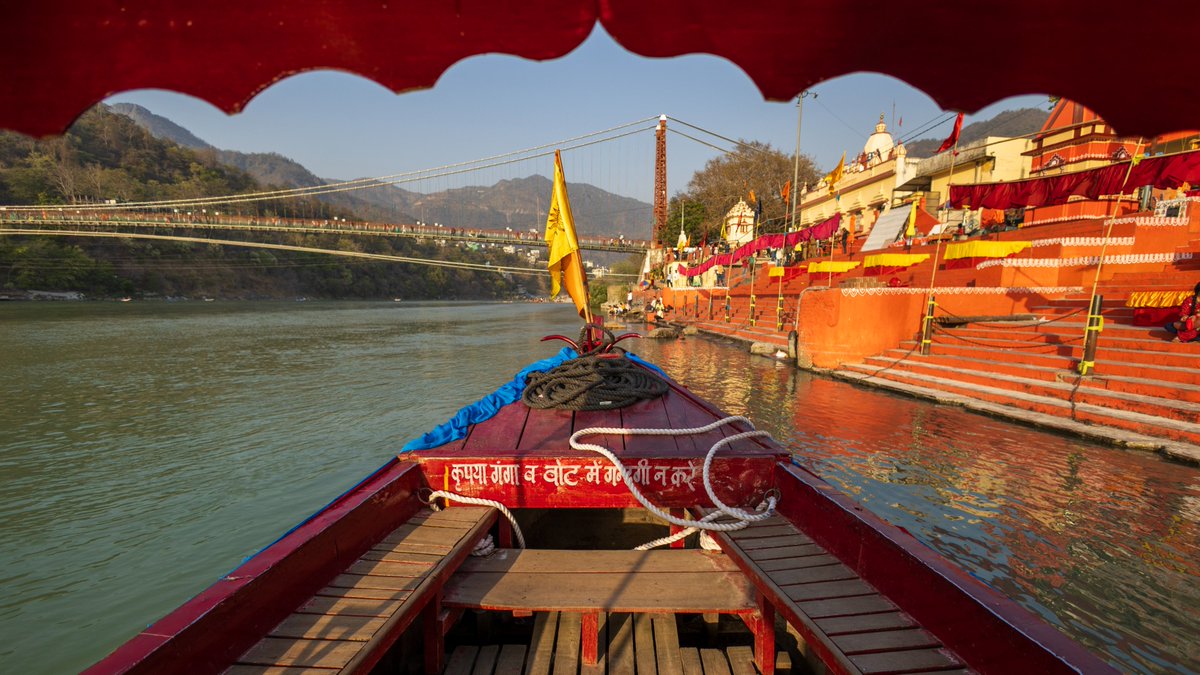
{"points": [[592, 383]]}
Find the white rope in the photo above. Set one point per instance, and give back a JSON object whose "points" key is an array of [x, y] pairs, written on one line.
{"points": [[705, 523], [480, 502]]}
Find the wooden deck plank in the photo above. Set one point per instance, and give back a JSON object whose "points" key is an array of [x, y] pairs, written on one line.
{"points": [[550, 561], [643, 644], [421, 534], [585, 419], [545, 430], [781, 564], [567, 646], [500, 434], [361, 582], [388, 568], [325, 627], [689, 657], [741, 660], [511, 661], [461, 660], [601, 666], [647, 414], [485, 660], [777, 528], [759, 555], [886, 641], [304, 653], [649, 592], [457, 516], [438, 550], [808, 575], [388, 555], [371, 594], [620, 645], [714, 662], [780, 541], [829, 589], [865, 604], [865, 623], [666, 644], [348, 606], [541, 646], [905, 661], [684, 414]]}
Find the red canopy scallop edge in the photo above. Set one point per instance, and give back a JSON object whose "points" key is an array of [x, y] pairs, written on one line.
{"points": [[59, 57]]}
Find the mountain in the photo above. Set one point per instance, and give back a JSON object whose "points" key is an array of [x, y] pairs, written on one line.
{"points": [[1009, 123], [159, 126], [518, 203]]}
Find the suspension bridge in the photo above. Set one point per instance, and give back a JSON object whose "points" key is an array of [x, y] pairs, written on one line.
{"points": [[257, 219]]}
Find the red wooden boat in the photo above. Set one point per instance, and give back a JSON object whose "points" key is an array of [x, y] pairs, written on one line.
{"points": [[378, 579]]}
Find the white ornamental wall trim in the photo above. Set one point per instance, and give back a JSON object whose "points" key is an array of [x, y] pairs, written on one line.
{"points": [[1059, 219], [1083, 241], [960, 290], [1087, 261], [1150, 221]]}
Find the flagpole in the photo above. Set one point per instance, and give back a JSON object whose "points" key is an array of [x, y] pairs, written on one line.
{"points": [[753, 262]]}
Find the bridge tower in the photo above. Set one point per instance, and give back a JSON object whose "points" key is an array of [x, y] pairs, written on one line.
{"points": [[660, 180]]}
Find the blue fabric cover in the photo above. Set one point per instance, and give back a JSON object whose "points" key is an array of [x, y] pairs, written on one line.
{"points": [[486, 408]]}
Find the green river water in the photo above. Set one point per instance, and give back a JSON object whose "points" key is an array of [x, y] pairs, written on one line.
{"points": [[148, 448]]}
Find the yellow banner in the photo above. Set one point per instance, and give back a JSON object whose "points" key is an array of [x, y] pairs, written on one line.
{"points": [[1156, 298], [984, 249], [894, 259], [831, 266], [775, 272]]}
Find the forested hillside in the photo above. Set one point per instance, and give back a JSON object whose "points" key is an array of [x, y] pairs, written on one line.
{"points": [[108, 157]]}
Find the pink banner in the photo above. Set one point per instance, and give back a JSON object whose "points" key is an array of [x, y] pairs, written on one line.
{"points": [[823, 230]]}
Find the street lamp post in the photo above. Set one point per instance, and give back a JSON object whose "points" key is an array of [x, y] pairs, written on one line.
{"points": [[796, 169]]}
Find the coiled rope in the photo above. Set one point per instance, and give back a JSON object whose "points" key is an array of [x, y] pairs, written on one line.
{"points": [[742, 518], [592, 383]]}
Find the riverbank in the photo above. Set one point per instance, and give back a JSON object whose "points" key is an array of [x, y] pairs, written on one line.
{"points": [[1176, 451]]}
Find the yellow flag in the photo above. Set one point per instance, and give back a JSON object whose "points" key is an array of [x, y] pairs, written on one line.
{"points": [[834, 176], [566, 266], [911, 230]]}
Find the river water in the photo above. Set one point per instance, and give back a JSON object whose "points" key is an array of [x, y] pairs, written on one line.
{"points": [[147, 448]]}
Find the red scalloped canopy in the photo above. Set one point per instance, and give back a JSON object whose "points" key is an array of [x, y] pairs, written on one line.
{"points": [[59, 57]]}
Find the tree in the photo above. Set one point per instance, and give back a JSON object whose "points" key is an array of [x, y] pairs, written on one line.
{"points": [[726, 179]]}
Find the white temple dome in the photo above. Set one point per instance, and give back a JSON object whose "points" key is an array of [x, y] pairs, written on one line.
{"points": [[880, 141]]}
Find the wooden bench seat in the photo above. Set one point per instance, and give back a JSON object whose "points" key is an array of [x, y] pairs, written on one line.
{"points": [[852, 626], [592, 584], [350, 623]]}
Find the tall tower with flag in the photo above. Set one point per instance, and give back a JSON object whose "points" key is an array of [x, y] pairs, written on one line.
{"points": [[660, 180]]}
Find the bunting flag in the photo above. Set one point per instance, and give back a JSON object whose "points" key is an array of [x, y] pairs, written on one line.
{"points": [[565, 262], [834, 176], [953, 137]]}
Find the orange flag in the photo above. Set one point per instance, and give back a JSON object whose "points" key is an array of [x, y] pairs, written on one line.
{"points": [[566, 265]]}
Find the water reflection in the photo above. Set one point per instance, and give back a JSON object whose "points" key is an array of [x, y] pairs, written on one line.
{"points": [[145, 449], [1102, 542]]}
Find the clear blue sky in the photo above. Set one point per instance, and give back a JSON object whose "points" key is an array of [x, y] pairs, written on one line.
{"points": [[342, 126]]}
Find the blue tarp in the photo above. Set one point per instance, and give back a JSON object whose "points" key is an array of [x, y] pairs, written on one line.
{"points": [[486, 408]]}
